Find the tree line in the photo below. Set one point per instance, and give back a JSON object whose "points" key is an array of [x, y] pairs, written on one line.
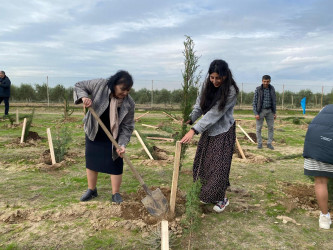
{"points": [[41, 93]]}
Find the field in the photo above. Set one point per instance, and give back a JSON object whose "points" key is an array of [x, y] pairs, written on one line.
{"points": [[272, 204]]}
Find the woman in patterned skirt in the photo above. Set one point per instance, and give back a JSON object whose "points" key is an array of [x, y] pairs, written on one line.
{"points": [[111, 101], [214, 153], [318, 154]]}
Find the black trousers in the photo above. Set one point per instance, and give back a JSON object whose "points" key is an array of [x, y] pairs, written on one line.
{"points": [[6, 101]]}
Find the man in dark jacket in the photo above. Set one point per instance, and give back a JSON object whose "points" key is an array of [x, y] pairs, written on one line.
{"points": [[264, 107], [4, 90]]}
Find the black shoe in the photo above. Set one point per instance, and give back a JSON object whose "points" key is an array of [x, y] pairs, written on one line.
{"points": [[270, 146], [117, 198], [259, 146], [89, 195]]}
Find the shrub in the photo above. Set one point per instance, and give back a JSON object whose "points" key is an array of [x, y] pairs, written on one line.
{"points": [[60, 143]]}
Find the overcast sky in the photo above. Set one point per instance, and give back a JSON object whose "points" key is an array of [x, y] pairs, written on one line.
{"points": [[291, 40]]}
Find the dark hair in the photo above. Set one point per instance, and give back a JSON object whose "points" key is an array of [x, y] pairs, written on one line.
{"points": [[3, 72], [266, 77], [121, 77], [210, 94]]}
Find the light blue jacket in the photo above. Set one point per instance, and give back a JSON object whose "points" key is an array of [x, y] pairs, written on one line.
{"points": [[215, 121], [99, 93]]}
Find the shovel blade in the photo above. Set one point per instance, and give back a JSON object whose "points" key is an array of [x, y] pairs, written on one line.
{"points": [[156, 203]]}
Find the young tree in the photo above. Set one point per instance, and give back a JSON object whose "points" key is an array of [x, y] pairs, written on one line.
{"points": [[190, 84]]}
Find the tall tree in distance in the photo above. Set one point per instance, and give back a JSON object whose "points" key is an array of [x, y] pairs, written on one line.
{"points": [[190, 84]]}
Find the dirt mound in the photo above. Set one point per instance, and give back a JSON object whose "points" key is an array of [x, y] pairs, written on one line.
{"points": [[253, 136], [46, 157], [161, 154], [45, 161], [154, 163], [250, 158], [137, 210], [32, 140], [299, 196], [129, 215], [33, 136]]}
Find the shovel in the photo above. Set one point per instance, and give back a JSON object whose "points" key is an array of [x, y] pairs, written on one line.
{"points": [[155, 202]]}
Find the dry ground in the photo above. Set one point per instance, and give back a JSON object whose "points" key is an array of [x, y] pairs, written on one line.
{"points": [[272, 204]]}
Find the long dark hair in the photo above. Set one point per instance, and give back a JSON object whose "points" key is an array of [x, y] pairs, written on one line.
{"points": [[121, 77], [211, 94]]}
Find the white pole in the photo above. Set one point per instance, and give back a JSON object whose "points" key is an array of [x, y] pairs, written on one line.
{"points": [[17, 117], [164, 235], [23, 129], [47, 91], [175, 177], [143, 144], [49, 137]]}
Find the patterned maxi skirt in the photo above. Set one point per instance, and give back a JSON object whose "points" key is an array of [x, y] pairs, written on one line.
{"points": [[212, 164]]}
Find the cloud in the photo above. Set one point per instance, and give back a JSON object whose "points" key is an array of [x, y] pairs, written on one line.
{"points": [[94, 38]]}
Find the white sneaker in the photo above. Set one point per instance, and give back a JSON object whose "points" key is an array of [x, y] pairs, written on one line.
{"points": [[221, 205], [324, 222]]}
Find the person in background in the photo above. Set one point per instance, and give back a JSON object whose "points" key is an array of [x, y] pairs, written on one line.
{"points": [[216, 145], [4, 90], [111, 101], [318, 162], [264, 107]]}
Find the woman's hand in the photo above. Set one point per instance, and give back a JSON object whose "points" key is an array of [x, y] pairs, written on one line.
{"points": [[121, 151], [188, 137], [86, 102]]}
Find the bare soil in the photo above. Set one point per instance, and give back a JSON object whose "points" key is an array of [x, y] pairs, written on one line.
{"points": [[131, 214]]}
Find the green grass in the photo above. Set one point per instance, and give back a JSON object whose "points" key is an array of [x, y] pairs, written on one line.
{"points": [[26, 188]]}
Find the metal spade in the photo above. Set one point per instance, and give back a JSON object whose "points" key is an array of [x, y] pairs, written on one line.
{"points": [[155, 201]]}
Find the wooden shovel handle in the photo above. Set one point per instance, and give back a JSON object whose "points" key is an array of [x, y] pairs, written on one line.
{"points": [[127, 160]]}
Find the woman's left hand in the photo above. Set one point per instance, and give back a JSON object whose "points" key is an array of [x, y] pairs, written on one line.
{"points": [[121, 151], [188, 137]]}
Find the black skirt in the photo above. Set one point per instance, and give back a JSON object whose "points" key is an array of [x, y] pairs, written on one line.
{"points": [[212, 164], [99, 151]]}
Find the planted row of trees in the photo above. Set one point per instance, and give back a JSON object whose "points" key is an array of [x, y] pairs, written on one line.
{"points": [[40, 93]]}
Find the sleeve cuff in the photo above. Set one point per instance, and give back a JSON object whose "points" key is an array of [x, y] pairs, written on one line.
{"points": [[195, 131]]}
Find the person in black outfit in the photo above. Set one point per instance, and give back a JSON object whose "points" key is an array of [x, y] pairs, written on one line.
{"points": [[4, 90]]}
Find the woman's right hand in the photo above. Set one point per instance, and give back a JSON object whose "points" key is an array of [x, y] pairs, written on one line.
{"points": [[86, 102]]}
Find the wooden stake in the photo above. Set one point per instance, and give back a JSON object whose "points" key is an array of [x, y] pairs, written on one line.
{"points": [[160, 138], [246, 134], [171, 117], [49, 137], [136, 119], [143, 144], [17, 117], [23, 129], [175, 176], [240, 149], [164, 235], [149, 126]]}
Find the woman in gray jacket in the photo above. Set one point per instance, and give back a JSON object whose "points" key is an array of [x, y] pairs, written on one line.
{"points": [[111, 100], [215, 148]]}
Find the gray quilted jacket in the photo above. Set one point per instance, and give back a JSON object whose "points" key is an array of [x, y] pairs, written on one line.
{"points": [[99, 93], [215, 121]]}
